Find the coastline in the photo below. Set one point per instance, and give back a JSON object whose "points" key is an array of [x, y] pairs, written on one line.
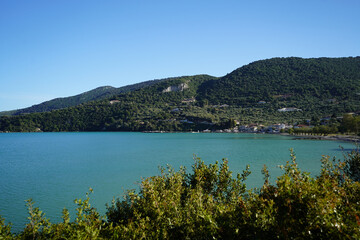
{"points": [[345, 138], [334, 137]]}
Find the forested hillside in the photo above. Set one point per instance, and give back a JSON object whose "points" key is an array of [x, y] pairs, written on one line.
{"points": [[92, 95], [288, 80], [144, 109], [303, 88]]}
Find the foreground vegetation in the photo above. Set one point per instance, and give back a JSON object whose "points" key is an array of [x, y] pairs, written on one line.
{"points": [[209, 203]]}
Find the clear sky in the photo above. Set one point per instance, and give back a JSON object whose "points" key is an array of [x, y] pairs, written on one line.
{"points": [[56, 48]]}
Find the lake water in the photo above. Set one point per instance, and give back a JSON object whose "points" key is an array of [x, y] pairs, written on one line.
{"points": [[55, 168]]}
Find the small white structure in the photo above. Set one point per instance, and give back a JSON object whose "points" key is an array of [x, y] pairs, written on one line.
{"points": [[114, 101], [290, 109]]}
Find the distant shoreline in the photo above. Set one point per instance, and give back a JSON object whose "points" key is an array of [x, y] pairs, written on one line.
{"points": [[345, 138], [337, 137]]}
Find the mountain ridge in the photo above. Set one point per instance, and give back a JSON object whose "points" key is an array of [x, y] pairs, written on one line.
{"points": [[98, 93], [255, 92]]}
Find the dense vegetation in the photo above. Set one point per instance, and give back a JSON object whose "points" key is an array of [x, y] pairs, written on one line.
{"points": [[92, 95], [319, 87], [144, 109], [347, 124], [209, 203], [287, 79]]}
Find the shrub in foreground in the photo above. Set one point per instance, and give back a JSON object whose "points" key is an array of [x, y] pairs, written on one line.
{"points": [[209, 203]]}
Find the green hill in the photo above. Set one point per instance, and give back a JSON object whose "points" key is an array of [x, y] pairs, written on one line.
{"points": [[314, 79], [316, 88], [92, 95]]}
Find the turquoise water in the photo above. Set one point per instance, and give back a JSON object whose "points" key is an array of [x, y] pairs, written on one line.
{"points": [[55, 168]]}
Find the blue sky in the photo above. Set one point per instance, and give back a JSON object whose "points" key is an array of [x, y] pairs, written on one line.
{"points": [[52, 49]]}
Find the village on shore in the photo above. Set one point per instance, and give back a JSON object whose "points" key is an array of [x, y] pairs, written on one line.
{"points": [[279, 128], [250, 128]]}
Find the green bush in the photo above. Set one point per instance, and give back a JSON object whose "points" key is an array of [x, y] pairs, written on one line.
{"points": [[352, 164]]}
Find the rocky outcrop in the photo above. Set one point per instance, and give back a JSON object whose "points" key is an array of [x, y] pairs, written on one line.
{"points": [[179, 88]]}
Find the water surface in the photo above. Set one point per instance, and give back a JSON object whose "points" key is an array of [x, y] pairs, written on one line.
{"points": [[55, 168]]}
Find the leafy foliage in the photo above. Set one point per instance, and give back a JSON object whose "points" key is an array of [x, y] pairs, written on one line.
{"points": [[5, 230], [350, 124], [352, 164]]}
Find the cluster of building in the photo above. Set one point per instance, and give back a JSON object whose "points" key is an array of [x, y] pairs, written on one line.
{"points": [[255, 128]]}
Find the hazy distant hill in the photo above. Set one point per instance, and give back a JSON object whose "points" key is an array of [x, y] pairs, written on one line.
{"points": [[317, 88]]}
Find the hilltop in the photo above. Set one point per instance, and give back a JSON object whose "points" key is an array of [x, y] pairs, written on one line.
{"points": [[267, 91], [92, 95]]}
